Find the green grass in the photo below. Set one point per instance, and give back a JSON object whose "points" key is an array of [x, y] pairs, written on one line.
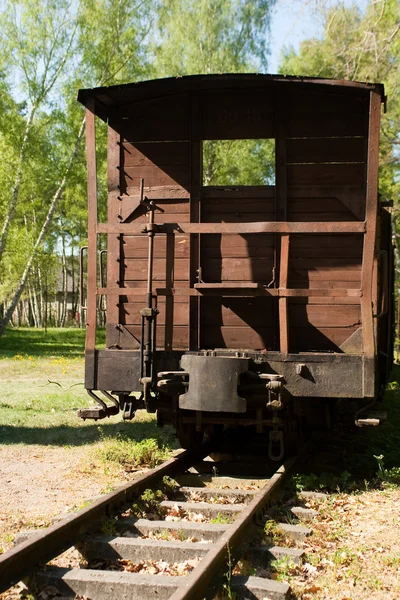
{"points": [[24, 341], [41, 388]]}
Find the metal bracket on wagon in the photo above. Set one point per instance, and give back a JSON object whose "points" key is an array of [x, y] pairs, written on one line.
{"points": [[102, 411]]}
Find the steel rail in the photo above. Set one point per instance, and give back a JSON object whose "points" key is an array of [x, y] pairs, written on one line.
{"points": [[44, 545], [201, 583]]}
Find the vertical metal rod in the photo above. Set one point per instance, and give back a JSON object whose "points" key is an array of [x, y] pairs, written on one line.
{"points": [[148, 351]]}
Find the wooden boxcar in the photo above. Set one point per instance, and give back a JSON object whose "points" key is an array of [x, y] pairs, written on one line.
{"points": [[238, 304]]}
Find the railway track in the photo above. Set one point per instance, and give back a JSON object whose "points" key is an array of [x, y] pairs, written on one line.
{"points": [[229, 506]]}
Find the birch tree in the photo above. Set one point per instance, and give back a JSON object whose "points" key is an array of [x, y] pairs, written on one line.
{"points": [[225, 36], [110, 44], [38, 37]]}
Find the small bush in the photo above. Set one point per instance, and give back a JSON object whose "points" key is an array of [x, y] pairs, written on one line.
{"points": [[131, 454]]}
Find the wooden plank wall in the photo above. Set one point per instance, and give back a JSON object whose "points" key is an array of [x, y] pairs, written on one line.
{"points": [[238, 322], [325, 160], [326, 172]]}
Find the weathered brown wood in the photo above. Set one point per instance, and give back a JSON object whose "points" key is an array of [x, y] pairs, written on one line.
{"points": [[321, 206], [371, 220], [179, 311], [160, 119], [312, 339], [237, 246], [92, 223], [238, 337], [182, 289], [318, 114], [165, 209], [169, 154], [180, 340], [328, 274], [306, 315], [113, 241], [246, 192], [283, 302], [238, 269], [325, 173], [156, 176], [159, 192], [226, 115], [196, 178], [136, 246], [325, 149], [236, 216], [237, 312], [136, 270], [259, 206], [317, 263], [169, 318], [337, 227]]}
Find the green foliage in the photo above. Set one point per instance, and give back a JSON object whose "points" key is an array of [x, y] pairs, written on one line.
{"points": [[364, 47], [389, 477], [169, 485], [239, 162], [41, 343], [212, 37], [284, 567], [227, 586], [323, 482], [221, 519], [130, 454], [109, 526], [149, 502]]}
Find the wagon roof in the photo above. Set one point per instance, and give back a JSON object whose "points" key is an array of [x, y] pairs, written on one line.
{"points": [[111, 97]]}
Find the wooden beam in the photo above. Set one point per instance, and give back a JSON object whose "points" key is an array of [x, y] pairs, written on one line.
{"points": [[114, 245], [215, 289], [196, 175], [371, 224], [283, 302], [332, 227], [92, 224]]}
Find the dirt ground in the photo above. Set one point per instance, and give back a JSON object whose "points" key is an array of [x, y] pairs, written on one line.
{"points": [[354, 551], [38, 483]]}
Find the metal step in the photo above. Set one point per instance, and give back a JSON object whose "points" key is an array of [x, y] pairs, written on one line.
{"points": [[371, 419]]}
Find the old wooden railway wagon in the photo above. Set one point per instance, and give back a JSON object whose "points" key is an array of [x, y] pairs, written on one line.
{"points": [[229, 303]]}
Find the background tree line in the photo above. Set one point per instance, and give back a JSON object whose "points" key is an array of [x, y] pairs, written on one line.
{"points": [[51, 48]]}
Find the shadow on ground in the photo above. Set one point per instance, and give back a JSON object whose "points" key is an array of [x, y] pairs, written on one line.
{"points": [[65, 435], [351, 458], [68, 342]]}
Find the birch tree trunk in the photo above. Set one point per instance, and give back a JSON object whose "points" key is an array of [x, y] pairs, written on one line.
{"points": [[53, 205], [33, 302], [17, 181], [63, 310]]}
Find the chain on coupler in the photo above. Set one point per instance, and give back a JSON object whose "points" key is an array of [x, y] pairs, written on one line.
{"points": [[276, 448]]}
